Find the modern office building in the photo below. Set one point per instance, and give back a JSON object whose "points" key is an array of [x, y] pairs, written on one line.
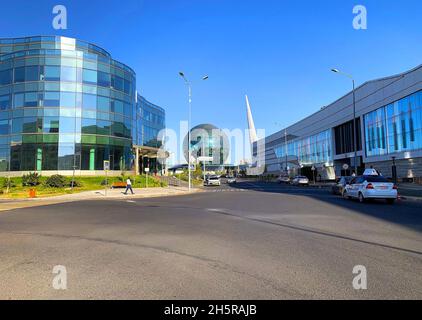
{"points": [[388, 129], [150, 120], [68, 105]]}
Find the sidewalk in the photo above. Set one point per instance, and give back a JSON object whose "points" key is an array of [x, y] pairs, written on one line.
{"points": [[112, 194], [411, 191]]}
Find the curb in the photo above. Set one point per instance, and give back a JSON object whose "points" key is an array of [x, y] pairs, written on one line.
{"points": [[28, 203], [410, 198]]}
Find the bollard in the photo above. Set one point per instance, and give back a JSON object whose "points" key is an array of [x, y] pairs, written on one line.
{"points": [[32, 193]]}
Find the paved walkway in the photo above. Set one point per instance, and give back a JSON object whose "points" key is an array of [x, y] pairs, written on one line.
{"points": [[112, 194], [410, 190]]}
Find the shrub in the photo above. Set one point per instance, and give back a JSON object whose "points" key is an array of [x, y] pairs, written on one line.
{"points": [[56, 181], [76, 183], [8, 183], [31, 179]]}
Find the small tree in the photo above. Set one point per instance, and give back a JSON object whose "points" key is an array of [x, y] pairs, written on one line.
{"points": [[31, 179]]}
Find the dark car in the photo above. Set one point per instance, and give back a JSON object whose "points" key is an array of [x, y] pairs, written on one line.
{"points": [[338, 188]]}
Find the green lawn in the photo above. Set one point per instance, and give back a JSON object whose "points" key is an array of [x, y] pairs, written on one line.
{"points": [[84, 184]]}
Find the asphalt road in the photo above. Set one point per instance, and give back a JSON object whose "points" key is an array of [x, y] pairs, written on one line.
{"points": [[249, 241]]}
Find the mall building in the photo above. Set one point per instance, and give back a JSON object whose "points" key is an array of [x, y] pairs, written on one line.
{"points": [[66, 105], [388, 129]]}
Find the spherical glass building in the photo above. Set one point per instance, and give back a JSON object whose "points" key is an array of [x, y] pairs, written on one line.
{"points": [[209, 141], [64, 104]]}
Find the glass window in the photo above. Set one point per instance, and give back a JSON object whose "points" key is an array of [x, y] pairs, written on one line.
{"points": [[51, 124], [51, 99], [67, 99], [89, 76], [103, 104], [67, 125], [5, 77], [89, 101], [5, 102], [89, 126], [117, 106], [68, 74], [4, 126], [52, 73], [127, 87], [394, 128], [31, 99], [66, 156], [117, 83], [127, 110], [20, 74], [30, 125], [103, 127], [19, 100], [17, 125], [32, 73], [103, 79]]}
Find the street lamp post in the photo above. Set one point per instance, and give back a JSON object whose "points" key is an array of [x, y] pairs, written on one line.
{"points": [[285, 141], [354, 116], [189, 125], [394, 170]]}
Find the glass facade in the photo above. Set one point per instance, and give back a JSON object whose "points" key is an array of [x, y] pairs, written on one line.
{"points": [[150, 119], [315, 149], [206, 140], [64, 103], [394, 128]]}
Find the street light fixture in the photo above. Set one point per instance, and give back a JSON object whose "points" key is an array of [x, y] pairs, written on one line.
{"points": [[189, 124], [354, 115]]}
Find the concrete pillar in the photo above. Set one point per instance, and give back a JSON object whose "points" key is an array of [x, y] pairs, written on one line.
{"points": [[136, 161]]}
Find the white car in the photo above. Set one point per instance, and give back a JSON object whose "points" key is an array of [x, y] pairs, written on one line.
{"points": [[212, 181], [300, 180], [283, 179], [371, 187], [231, 179]]}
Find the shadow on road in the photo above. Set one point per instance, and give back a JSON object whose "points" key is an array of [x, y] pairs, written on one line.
{"points": [[408, 213]]}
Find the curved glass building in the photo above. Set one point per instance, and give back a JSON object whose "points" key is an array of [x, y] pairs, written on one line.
{"points": [[65, 104], [208, 141]]}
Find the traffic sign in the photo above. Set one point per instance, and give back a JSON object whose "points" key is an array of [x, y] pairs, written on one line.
{"points": [[313, 168], [203, 159], [345, 166], [147, 170], [106, 165]]}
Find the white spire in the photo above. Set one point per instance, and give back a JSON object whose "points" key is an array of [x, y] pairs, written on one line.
{"points": [[251, 126]]}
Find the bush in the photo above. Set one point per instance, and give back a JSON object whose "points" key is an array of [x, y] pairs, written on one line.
{"points": [[31, 179], [8, 183], [56, 181], [76, 183]]}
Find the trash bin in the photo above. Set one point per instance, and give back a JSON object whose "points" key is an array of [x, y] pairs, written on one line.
{"points": [[32, 193]]}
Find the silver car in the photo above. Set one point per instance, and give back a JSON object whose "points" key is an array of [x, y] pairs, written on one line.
{"points": [[212, 181], [231, 179], [300, 181]]}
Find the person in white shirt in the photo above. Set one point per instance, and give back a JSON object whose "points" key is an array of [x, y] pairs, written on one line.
{"points": [[128, 186]]}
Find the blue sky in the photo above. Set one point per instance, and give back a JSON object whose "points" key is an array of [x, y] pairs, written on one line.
{"points": [[277, 52]]}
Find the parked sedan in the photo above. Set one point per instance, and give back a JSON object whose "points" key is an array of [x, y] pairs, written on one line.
{"points": [[231, 179], [212, 181], [371, 187], [300, 180], [283, 179], [339, 187]]}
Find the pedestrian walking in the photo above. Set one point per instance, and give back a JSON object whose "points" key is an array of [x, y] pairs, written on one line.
{"points": [[128, 186]]}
